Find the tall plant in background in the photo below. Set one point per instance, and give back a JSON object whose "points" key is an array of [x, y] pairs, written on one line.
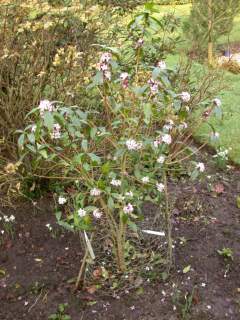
{"points": [[119, 153], [208, 20]]}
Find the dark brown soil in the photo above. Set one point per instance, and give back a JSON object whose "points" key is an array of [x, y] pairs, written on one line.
{"points": [[36, 269]]}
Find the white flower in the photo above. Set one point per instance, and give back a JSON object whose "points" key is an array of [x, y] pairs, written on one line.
{"points": [[185, 96], [2, 231], [82, 213], [95, 192], [140, 43], [160, 186], [62, 200], [161, 159], [116, 183], [45, 105], [200, 166], [12, 218], [166, 138], [124, 76], [49, 226], [133, 144], [128, 208], [145, 179], [215, 135], [217, 102], [162, 65], [129, 194], [97, 213], [34, 127]]}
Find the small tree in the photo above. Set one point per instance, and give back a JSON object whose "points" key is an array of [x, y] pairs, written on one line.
{"points": [[209, 19]]}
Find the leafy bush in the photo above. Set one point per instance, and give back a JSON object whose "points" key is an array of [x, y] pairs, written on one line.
{"points": [[119, 153], [44, 54]]}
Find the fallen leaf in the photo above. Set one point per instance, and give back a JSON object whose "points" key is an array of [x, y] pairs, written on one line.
{"points": [[218, 188], [187, 269], [91, 289]]}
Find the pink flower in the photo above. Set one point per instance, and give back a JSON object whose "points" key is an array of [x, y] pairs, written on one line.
{"points": [[128, 208]]}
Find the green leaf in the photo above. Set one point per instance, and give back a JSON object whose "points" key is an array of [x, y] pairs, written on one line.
{"points": [[86, 166], [31, 138], [77, 159], [132, 225], [43, 153], [110, 203], [155, 73], [85, 145], [98, 78], [94, 158], [48, 120], [93, 132], [21, 140], [147, 109], [106, 168]]}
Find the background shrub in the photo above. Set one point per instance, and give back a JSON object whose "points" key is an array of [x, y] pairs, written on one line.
{"points": [[44, 52]]}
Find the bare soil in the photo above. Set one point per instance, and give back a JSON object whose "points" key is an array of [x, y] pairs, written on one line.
{"points": [[36, 269]]}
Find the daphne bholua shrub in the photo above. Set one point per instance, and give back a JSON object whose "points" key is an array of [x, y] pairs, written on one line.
{"points": [[118, 154]]}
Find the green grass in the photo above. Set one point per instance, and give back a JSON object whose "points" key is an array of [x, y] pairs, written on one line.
{"points": [[229, 126]]}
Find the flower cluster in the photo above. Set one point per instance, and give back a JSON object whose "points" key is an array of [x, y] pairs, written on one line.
{"points": [[95, 192], [165, 138], [104, 65], [153, 85], [128, 208], [133, 144], [45, 105], [116, 183], [200, 166], [162, 65], [7, 219], [56, 133], [185, 96], [139, 43], [222, 153], [124, 77], [62, 200], [217, 102]]}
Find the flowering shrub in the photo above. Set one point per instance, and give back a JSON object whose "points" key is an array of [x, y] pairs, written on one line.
{"points": [[119, 153]]}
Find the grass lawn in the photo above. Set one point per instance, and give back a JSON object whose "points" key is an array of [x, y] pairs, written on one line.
{"points": [[229, 127]]}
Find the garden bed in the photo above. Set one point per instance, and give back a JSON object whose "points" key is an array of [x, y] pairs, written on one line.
{"points": [[37, 269]]}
